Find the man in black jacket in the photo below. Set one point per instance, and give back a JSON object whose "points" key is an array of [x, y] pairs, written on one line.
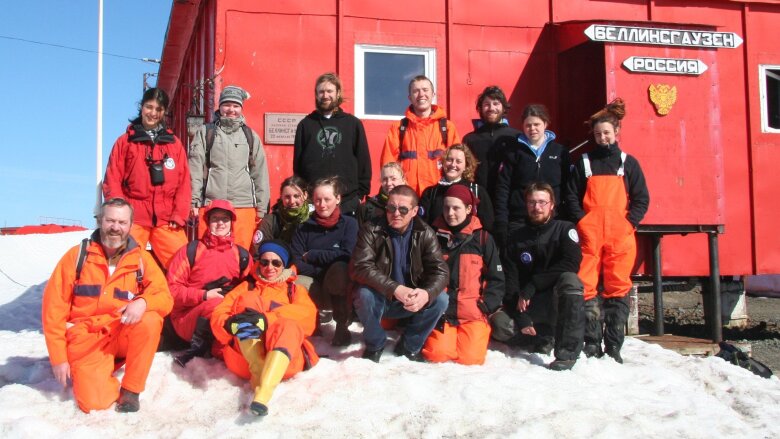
{"points": [[544, 295], [329, 141], [491, 136], [398, 266]]}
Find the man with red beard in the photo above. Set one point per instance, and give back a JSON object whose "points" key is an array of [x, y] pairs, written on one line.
{"points": [[491, 135], [330, 141], [543, 303]]}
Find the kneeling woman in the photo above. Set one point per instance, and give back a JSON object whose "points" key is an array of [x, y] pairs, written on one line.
{"points": [[476, 285], [265, 323]]}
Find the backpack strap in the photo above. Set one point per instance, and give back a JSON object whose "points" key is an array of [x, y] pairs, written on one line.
{"points": [[81, 258], [402, 132], [290, 291], [192, 250], [243, 260], [211, 134], [443, 129], [250, 139]]}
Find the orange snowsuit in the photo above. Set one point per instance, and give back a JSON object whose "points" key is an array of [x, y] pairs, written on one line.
{"points": [[423, 148], [290, 315], [81, 320], [606, 237]]}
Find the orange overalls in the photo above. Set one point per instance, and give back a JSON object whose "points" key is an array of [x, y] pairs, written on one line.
{"points": [[290, 316], [606, 237], [81, 321]]}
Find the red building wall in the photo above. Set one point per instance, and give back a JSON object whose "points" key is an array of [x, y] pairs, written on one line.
{"points": [[277, 49]]}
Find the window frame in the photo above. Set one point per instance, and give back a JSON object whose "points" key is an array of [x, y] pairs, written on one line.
{"points": [[764, 71], [429, 54]]}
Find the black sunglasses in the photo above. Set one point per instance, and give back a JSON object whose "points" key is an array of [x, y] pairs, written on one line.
{"points": [[275, 262], [392, 209]]}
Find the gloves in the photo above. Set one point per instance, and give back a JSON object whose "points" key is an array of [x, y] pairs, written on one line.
{"points": [[245, 325], [218, 283]]}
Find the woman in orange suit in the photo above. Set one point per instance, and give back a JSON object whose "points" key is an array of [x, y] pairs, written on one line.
{"points": [[607, 198], [265, 323]]}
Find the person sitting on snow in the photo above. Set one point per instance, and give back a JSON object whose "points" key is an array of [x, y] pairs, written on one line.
{"points": [[103, 307], [200, 275], [543, 294], [401, 273], [265, 323]]}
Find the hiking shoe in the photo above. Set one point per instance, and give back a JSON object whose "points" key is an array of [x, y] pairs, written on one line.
{"points": [[127, 402], [373, 355], [562, 364], [258, 408], [400, 349], [614, 353], [593, 350], [342, 336]]}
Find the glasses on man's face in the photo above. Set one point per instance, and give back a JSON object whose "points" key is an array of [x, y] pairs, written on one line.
{"points": [[275, 262], [532, 203], [402, 209]]}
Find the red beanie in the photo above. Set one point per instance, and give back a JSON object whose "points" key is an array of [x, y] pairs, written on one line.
{"points": [[462, 193]]}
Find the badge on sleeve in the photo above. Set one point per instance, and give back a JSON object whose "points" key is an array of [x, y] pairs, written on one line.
{"points": [[574, 236], [526, 258]]}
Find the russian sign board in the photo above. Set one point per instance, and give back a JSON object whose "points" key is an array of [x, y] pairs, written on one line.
{"points": [[673, 66], [663, 37], [280, 127]]}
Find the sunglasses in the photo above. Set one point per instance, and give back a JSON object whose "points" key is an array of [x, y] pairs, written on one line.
{"points": [[392, 209], [275, 262]]}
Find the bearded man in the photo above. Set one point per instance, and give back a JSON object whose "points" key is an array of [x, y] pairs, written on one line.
{"points": [[329, 141]]}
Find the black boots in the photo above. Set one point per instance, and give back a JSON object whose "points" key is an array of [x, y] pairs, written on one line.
{"points": [[127, 402], [615, 318], [341, 314], [200, 346]]}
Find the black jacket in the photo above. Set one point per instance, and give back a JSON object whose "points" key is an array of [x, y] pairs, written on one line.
{"points": [[606, 161], [536, 257], [432, 203], [373, 209], [521, 168], [322, 246], [488, 143], [334, 146], [372, 259]]}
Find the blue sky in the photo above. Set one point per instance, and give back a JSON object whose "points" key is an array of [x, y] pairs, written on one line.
{"points": [[48, 114]]}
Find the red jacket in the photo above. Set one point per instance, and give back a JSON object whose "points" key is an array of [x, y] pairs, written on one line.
{"points": [[127, 176], [96, 299], [216, 256]]}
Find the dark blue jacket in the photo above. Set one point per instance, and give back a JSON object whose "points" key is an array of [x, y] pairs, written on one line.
{"points": [[322, 246]]}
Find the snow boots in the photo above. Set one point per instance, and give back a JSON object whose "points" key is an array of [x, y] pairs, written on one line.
{"points": [[266, 370], [128, 401], [570, 316], [593, 334], [341, 314], [200, 346], [615, 317]]}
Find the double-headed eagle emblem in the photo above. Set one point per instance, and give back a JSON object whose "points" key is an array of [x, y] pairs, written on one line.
{"points": [[663, 97]]}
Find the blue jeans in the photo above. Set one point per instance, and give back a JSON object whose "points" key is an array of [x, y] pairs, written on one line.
{"points": [[371, 307]]}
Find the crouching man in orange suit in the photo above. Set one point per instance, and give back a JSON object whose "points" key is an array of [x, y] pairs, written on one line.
{"points": [[103, 307]]}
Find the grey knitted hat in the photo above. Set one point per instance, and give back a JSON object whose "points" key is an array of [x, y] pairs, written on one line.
{"points": [[233, 93]]}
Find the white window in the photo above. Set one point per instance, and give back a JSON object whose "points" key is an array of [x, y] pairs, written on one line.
{"points": [[382, 75], [769, 82]]}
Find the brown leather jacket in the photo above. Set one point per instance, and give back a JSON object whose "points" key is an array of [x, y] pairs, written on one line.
{"points": [[372, 260]]}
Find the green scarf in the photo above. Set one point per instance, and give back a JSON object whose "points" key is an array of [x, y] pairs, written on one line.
{"points": [[291, 218]]}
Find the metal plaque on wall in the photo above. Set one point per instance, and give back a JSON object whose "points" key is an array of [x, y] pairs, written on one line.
{"points": [[280, 127]]}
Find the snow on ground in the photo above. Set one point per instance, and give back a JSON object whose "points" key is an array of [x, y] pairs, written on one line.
{"points": [[656, 392]]}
